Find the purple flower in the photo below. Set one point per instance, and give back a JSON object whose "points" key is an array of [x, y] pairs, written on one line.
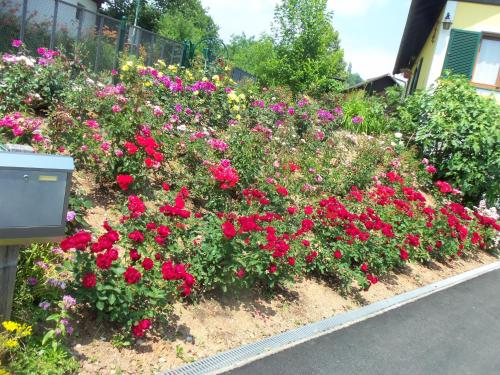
{"points": [[68, 301], [69, 329], [32, 281], [44, 305], [70, 216], [42, 264], [357, 119], [17, 43]]}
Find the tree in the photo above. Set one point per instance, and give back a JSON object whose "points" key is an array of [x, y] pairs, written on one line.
{"points": [[308, 53], [188, 20], [253, 55], [352, 78], [175, 18]]}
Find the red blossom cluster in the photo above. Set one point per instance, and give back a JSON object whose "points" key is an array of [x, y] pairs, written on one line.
{"points": [[171, 271], [178, 209], [124, 181], [225, 174], [78, 241]]}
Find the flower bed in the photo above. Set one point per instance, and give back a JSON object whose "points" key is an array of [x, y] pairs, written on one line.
{"points": [[208, 186]]}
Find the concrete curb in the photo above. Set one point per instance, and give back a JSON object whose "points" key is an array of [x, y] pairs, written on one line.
{"points": [[243, 355]]}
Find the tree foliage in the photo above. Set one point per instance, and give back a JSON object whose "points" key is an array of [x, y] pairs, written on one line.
{"points": [[308, 50], [175, 19], [253, 55], [190, 21]]}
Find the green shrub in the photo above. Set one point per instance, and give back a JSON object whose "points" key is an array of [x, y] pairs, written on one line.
{"points": [[458, 130]]}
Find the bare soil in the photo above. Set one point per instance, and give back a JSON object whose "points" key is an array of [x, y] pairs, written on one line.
{"points": [[224, 321]]}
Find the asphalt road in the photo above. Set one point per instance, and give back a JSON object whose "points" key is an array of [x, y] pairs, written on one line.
{"points": [[452, 332]]}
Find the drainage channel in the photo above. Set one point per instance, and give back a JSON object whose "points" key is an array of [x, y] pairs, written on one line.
{"points": [[238, 357]]}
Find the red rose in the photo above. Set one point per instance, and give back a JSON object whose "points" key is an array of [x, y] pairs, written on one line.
{"points": [[189, 279], [337, 254], [165, 186], [147, 264], [89, 280], [136, 236], [291, 210], [403, 254], [308, 210], [364, 267], [145, 324], [228, 230], [150, 226], [431, 169], [163, 230], [134, 255], [131, 148], [240, 273], [281, 190], [131, 275], [124, 180], [273, 268], [291, 261], [306, 243]]}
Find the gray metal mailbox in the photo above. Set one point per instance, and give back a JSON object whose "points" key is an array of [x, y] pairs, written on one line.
{"points": [[34, 192]]}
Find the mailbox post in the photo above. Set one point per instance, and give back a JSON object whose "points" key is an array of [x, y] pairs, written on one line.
{"points": [[34, 193]]}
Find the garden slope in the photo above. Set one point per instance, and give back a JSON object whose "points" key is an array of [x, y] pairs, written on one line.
{"points": [[224, 321]]}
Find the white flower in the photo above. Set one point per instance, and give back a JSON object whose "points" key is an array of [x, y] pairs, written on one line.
{"points": [[398, 135]]}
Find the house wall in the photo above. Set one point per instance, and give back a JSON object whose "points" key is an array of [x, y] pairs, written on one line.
{"points": [[465, 16]]}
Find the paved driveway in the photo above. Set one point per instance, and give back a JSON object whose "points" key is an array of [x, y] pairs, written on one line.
{"points": [[452, 332]]}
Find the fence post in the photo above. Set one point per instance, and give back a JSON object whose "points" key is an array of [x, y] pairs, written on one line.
{"points": [[99, 39], [22, 30], [54, 25], [185, 53], [121, 40], [123, 31], [81, 20]]}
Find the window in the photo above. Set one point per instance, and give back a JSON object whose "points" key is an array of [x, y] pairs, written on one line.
{"points": [[487, 68]]}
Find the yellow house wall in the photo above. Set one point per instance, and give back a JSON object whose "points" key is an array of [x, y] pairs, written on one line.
{"points": [[477, 17], [427, 54], [467, 16]]}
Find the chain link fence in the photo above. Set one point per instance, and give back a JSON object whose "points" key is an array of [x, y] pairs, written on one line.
{"points": [[94, 38]]}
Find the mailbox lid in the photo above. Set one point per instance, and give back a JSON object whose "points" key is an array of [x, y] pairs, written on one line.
{"points": [[36, 161]]}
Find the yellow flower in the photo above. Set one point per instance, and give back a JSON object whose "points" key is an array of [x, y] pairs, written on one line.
{"points": [[232, 97], [11, 343], [148, 84], [162, 63], [238, 117], [242, 96], [125, 68], [215, 78], [196, 92], [172, 68], [25, 330], [235, 108], [4, 372], [10, 326]]}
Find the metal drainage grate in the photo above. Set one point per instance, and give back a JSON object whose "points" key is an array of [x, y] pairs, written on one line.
{"points": [[237, 357]]}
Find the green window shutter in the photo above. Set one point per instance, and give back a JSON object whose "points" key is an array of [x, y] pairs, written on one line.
{"points": [[462, 52]]}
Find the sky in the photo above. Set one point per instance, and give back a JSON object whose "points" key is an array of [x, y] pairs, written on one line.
{"points": [[370, 30]]}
